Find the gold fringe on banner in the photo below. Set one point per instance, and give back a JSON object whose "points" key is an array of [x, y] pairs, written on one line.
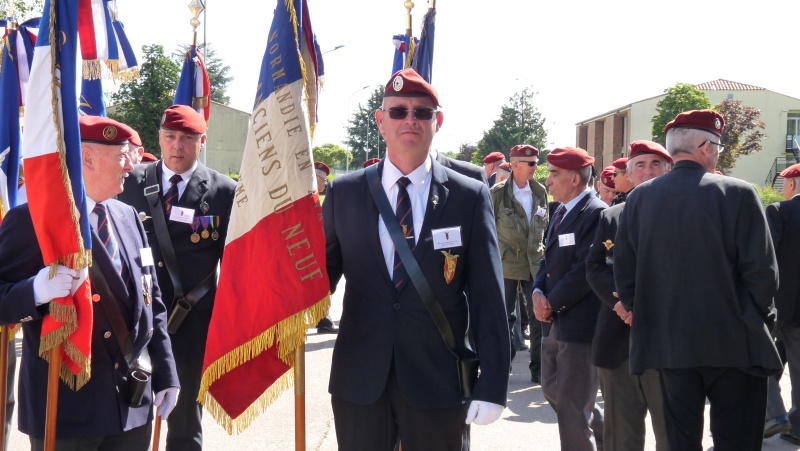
{"points": [[126, 75], [291, 333], [92, 69], [311, 100]]}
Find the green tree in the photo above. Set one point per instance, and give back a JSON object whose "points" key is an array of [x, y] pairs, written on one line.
{"points": [[465, 151], [363, 137], [218, 72], [25, 9], [681, 97], [542, 172], [769, 195], [140, 103], [519, 123], [333, 155], [742, 135]]}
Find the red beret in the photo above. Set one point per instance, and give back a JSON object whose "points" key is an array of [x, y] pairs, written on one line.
{"points": [[706, 120], [408, 83], [320, 166], [371, 161], [147, 156], [104, 130], [570, 158], [506, 166], [494, 157], [621, 164], [524, 151], [135, 139], [791, 172], [643, 147], [183, 118], [607, 177]]}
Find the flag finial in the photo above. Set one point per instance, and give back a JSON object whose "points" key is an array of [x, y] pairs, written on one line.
{"points": [[195, 7]]}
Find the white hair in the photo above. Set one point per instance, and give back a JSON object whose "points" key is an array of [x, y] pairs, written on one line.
{"points": [[687, 140], [585, 173], [664, 162]]}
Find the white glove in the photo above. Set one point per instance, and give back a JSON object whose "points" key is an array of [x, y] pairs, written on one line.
{"points": [[46, 289], [166, 400], [483, 413]]}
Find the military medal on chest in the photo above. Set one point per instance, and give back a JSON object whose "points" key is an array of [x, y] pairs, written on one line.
{"points": [[609, 245], [214, 225], [450, 261], [205, 234], [195, 237]]}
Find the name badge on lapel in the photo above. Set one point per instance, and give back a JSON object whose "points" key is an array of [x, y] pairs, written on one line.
{"points": [[147, 256], [180, 214], [567, 239], [447, 237]]}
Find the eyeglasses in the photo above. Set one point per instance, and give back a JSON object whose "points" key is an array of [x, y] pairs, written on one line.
{"points": [[619, 173], [532, 163], [721, 147], [420, 114]]}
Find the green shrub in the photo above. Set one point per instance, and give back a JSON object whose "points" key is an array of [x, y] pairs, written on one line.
{"points": [[769, 195]]}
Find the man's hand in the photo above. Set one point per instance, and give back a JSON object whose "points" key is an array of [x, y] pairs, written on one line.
{"points": [[623, 314], [541, 308], [45, 289], [166, 400], [483, 412]]}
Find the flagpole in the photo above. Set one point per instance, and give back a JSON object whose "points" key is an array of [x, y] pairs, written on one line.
{"points": [[4, 337], [300, 398], [157, 433], [409, 5], [52, 398]]}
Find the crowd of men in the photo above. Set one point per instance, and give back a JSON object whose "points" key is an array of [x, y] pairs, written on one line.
{"points": [[449, 269]]}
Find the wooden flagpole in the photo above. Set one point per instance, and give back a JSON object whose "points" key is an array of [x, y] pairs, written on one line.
{"points": [[157, 433], [53, 373], [4, 337], [300, 398]]}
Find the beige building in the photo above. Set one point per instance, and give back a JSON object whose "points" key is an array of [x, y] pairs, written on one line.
{"points": [[227, 133], [606, 136]]}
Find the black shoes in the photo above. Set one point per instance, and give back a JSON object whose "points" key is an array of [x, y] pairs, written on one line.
{"points": [[776, 425], [793, 439], [326, 326], [536, 379]]}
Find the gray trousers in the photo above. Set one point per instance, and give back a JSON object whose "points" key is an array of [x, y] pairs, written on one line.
{"points": [[791, 339], [569, 383], [627, 398]]}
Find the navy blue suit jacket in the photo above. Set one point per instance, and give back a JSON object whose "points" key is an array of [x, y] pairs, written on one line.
{"points": [[99, 407], [562, 273], [381, 327]]}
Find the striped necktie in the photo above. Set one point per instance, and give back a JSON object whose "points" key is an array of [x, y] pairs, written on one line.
{"points": [[172, 193], [106, 236], [406, 219]]}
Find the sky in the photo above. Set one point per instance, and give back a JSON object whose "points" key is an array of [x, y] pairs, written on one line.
{"points": [[583, 58]]}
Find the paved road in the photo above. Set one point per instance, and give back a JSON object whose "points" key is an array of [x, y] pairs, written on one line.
{"points": [[527, 424]]}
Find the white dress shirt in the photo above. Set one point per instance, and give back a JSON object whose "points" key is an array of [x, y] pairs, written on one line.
{"points": [[167, 174]]}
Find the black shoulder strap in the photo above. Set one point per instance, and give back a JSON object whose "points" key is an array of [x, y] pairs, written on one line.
{"points": [[152, 192], [410, 263], [110, 306]]}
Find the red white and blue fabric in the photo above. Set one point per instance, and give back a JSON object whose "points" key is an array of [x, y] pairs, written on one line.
{"points": [[10, 132], [194, 86], [404, 47], [272, 297], [423, 54], [25, 43], [54, 183], [102, 38]]}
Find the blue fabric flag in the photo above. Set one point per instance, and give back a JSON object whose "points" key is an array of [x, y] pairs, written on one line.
{"points": [[423, 55]]}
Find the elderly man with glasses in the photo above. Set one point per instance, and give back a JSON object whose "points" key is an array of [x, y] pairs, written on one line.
{"points": [[622, 185], [520, 211]]}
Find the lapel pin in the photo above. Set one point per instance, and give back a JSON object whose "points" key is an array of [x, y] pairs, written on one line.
{"points": [[435, 201]]}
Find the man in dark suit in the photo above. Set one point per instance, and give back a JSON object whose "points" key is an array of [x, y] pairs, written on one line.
{"points": [[783, 219], [695, 267], [627, 397], [98, 415], [462, 167], [392, 376], [622, 185], [566, 305], [197, 203]]}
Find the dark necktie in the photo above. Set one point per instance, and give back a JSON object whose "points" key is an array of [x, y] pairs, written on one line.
{"points": [[172, 193], [106, 235], [562, 211], [406, 219]]}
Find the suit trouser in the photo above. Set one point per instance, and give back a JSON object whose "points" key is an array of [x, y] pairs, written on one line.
{"points": [[11, 397], [569, 383], [137, 439], [184, 428], [378, 426], [790, 335], [738, 405], [627, 399], [511, 288]]}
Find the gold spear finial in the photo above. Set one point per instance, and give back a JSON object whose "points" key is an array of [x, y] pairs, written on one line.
{"points": [[409, 6], [195, 7]]}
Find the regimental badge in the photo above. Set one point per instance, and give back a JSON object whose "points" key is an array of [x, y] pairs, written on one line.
{"points": [[450, 261], [110, 132], [163, 118], [397, 83], [204, 207], [608, 244], [717, 123]]}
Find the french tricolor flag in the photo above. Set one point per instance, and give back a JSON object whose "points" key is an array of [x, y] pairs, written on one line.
{"points": [[273, 284], [194, 86], [54, 180]]}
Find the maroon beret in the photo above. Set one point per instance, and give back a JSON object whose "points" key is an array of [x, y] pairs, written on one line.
{"points": [[524, 151], [570, 158], [791, 172], [371, 161], [706, 120], [494, 157], [320, 166], [147, 156], [643, 147], [621, 164], [607, 177], [506, 166], [104, 130], [183, 118], [408, 83], [135, 139]]}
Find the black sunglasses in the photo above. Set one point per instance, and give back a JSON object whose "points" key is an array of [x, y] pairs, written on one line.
{"points": [[532, 163], [420, 114]]}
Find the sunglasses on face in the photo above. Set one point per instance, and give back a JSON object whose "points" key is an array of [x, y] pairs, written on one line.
{"points": [[420, 114], [531, 163]]}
